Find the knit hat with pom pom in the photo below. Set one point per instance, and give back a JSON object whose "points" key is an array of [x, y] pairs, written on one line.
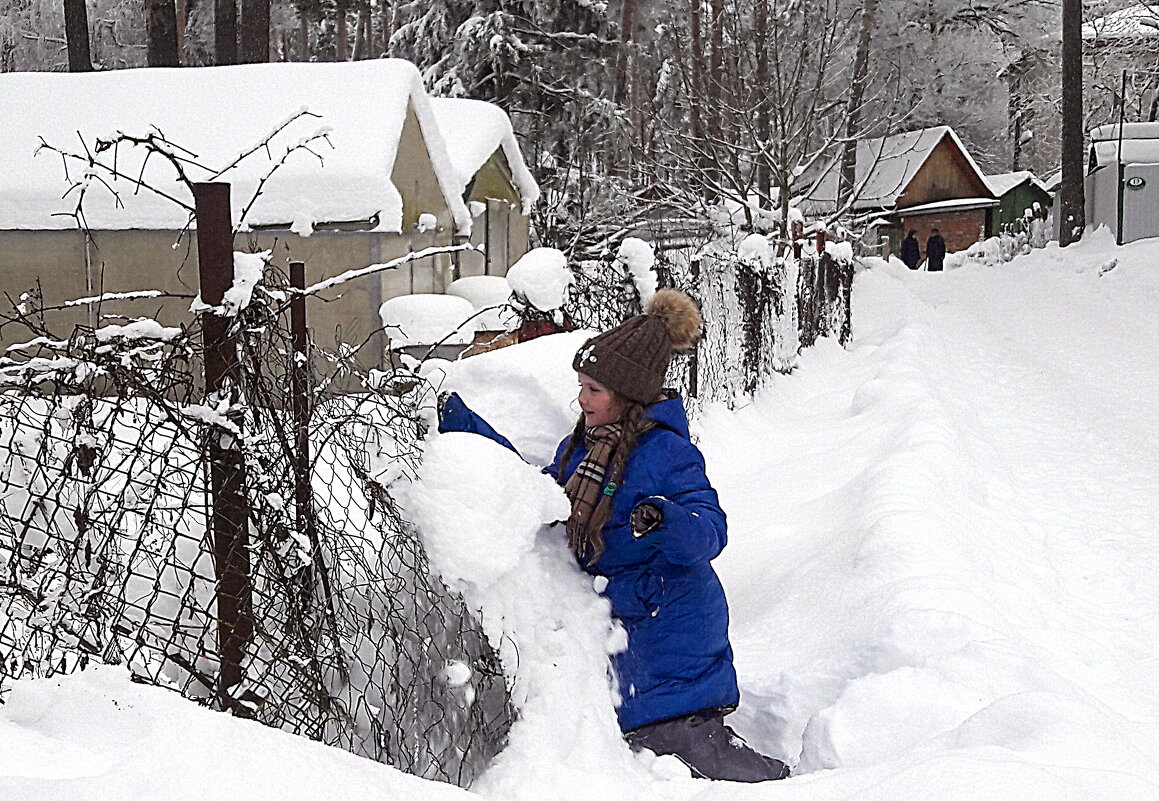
{"points": [[633, 357]]}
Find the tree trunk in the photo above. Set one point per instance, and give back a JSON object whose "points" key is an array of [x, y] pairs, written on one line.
{"points": [[225, 31], [341, 48], [1072, 214], [76, 34], [303, 36], [624, 56], [761, 101], [362, 34], [387, 14], [697, 66], [716, 36], [1014, 116], [848, 180], [254, 32], [161, 33]]}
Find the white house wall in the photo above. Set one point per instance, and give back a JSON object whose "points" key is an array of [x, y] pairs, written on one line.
{"points": [[1102, 199], [1141, 206]]}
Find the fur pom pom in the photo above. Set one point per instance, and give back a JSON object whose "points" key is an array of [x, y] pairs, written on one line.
{"points": [[680, 316]]}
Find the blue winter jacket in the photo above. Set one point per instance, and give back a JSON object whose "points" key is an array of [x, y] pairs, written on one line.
{"points": [[662, 586]]}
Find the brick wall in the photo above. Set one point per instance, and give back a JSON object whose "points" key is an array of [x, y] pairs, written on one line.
{"points": [[960, 229]]}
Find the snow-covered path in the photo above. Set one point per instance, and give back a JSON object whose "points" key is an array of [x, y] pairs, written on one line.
{"points": [[957, 521]]}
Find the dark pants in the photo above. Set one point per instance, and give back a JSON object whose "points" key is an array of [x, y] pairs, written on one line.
{"points": [[712, 750]]}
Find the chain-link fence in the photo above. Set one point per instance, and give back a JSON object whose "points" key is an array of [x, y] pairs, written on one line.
{"points": [[758, 312], [243, 548]]}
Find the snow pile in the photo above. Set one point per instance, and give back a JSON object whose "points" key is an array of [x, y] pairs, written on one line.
{"points": [[488, 294], [527, 392], [482, 513], [639, 259], [988, 252], [428, 319], [542, 278], [97, 736], [841, 251], [479, 508]]}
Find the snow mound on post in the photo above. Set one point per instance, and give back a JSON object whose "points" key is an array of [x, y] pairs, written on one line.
{"points": [[490, 293], [542, 277], [639, 258], [754, 249], [428, 319]]}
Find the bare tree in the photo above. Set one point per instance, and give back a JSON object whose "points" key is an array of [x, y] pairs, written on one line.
{"points": [[1072, 214], [856, 98], [76, 34]]}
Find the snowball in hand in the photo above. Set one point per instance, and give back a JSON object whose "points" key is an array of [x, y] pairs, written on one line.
{"points": [[479, 506], [542, 277]]}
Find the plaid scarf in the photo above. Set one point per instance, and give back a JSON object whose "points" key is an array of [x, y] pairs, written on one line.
{"points": [[590, 499]]}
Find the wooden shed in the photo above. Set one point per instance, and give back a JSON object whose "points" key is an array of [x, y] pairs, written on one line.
{"points": [[375, 182], [918, 180], [1019, 192]]}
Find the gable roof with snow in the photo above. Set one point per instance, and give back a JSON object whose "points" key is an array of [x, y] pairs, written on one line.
{"points": [[474, 131], [217, 113], [1003, 182], [1137, 22], [888, 166]]}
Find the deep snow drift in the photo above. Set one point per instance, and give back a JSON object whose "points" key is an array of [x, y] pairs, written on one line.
{"points": [[941, 569]]}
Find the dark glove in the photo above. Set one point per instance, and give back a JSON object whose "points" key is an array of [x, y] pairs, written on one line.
{"points": [[646, 518]]}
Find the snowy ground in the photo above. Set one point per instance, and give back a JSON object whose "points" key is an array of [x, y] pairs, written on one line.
{"points": [[941, 569]]}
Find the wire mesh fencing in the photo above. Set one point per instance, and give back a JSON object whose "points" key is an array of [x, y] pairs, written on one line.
{"points": [[317, 614]]}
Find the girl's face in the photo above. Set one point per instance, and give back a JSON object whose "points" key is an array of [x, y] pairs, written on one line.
{"points": [[600, 405]]}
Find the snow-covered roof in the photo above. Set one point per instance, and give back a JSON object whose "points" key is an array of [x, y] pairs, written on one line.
{"points": [[1003, 182], [955, 204], [1134, 22], [1131, 130], [887, 165], [218, 113], [473, 130], [1139, 143]]}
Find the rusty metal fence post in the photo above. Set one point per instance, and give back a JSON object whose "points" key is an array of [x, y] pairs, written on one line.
{"points": [[227, 479]]}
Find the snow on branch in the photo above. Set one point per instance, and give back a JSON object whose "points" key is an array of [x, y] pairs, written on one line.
{"points": [[350, 275]]}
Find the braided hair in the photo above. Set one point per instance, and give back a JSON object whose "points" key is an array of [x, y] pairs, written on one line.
{"points": [[588, 544]]}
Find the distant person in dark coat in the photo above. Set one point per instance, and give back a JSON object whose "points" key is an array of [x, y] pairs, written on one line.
{"points": [[911, 251], [935, 251]]}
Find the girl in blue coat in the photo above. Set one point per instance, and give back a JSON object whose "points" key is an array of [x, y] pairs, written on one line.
{"points": [[645, 517]]}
